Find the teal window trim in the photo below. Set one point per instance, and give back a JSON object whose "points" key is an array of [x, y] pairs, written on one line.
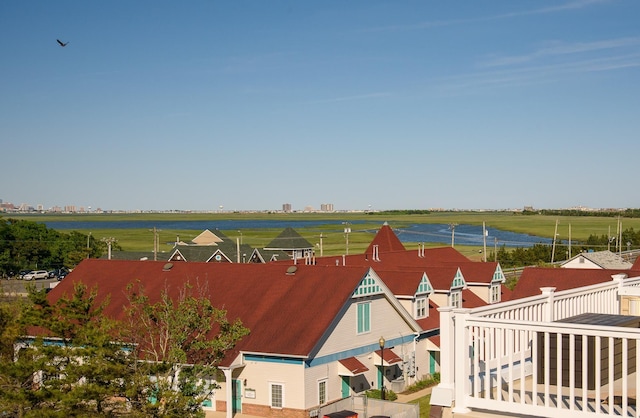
{"points": [[363, 317]]}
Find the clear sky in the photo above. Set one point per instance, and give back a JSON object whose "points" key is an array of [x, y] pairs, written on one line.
{"points": [[193, 105]]}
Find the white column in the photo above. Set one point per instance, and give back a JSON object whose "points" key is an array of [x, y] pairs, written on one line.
{"points": [[228, 377], [462, 359], [443, 393]]}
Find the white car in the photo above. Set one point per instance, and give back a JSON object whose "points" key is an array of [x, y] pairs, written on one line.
{"points": [[36, 274]]}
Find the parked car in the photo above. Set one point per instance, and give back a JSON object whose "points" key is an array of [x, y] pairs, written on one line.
{"points": [[36, 274], [22, 273], [62, 274]]}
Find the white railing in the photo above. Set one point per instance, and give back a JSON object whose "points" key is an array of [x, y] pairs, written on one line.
{"points": [[513, 357], [562, 368]]}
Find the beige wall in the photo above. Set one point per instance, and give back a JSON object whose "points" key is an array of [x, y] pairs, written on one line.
{"points": [[385, 321]]}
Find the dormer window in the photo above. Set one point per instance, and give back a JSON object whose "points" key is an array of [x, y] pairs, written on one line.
{"points": [[455, 299], [421, 310], [495, 293]]}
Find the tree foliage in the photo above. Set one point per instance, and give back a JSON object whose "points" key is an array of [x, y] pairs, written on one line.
{"points": [[171, 333], [31, 245], [155, 363]]}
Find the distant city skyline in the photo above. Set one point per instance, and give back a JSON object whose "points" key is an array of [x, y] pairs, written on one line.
{"points": [[163, 105], [285, 207]]}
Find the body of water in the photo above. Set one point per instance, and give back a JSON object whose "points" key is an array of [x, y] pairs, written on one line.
{"points": [[427, 233], [467, 235]]}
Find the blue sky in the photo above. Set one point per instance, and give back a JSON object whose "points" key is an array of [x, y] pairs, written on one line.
{"points": [[382, 104]]}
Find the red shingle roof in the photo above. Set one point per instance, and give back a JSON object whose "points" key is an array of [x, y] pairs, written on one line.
{"points": [[353, 366], [277, 307], [389, 357], [533, 278], [386, 241]]}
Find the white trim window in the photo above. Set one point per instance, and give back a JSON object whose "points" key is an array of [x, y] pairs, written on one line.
{"points": [[322, 392], [421, 307], [276, 395], [495, 293], [456, 299], [364, 317]]}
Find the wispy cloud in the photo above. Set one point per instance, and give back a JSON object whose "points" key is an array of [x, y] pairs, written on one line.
{"points": [[535, 74], [350, 98], [560, 49], [572, 5]]}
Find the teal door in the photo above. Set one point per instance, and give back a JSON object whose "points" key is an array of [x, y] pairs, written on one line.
{"points": [[237, 395], [346, 389]]}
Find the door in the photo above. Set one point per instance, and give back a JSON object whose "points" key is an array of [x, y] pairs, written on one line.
{"points": [[346, 389], [237, 395]]}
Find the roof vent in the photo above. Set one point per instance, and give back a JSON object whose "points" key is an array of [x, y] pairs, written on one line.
{"points": [[292, 269], [167, 267]]}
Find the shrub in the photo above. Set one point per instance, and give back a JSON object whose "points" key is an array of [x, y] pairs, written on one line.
{"points": [[425, 383], [389, 395]]}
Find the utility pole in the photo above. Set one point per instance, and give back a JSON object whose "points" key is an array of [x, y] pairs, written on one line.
{"points": [[484, 242], [553, 247], [109, 241], [569, 241], [619, 237], [156, 242], [347, 231], [452, 227]]}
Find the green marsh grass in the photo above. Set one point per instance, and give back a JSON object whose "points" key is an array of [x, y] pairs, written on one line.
{"points": [[334, 240]]}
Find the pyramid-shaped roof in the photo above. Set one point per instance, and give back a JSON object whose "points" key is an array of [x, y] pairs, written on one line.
{"points": [[206, 237], [386, 241], [289, 240]]}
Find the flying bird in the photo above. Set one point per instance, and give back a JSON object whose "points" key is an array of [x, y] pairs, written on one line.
{"points": [[62, 43]]}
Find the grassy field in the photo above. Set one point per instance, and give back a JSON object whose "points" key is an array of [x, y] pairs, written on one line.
{"points": [[333, 237]]}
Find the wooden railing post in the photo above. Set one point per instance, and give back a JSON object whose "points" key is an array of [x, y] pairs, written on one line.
{"points": [[548, 292], [442, 394]]}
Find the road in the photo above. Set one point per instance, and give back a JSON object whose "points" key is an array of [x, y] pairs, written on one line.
{"points": [[19, 287]]}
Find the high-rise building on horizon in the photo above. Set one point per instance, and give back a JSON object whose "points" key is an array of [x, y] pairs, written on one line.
{"points": [[286, 207], [326, 207]]}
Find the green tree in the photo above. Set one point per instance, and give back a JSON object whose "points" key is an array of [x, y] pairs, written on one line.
{"points": [[168, 335], [30, 245], [158, 362], [75, 369]]}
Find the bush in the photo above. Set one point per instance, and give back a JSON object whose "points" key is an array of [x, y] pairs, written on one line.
{"points": [[389, 395], [425, 383]]}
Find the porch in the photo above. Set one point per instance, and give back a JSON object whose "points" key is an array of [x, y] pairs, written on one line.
{"points": [[527, 357]]}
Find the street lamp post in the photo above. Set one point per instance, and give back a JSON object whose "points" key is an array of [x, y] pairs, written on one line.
{"points": [[381, 341]]}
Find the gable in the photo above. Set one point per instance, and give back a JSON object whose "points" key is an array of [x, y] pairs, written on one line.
{"points": [[206, 237], [424, 286], [368, 286], [458, 281]]}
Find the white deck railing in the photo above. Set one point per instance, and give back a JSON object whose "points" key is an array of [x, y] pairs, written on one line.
{"points": [[513, 358]]}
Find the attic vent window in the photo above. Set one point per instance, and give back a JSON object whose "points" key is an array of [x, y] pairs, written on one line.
{"points": [[167, 267], [292, 270]]}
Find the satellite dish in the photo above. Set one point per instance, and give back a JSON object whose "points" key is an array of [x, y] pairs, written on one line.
{"points": [[167, 267], [292, 269]]}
